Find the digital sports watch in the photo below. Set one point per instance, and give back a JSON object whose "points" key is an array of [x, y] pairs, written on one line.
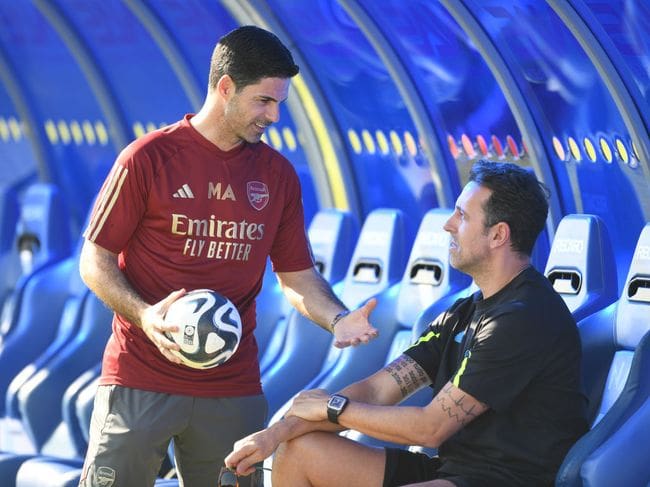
{"points": [[335, 407]]}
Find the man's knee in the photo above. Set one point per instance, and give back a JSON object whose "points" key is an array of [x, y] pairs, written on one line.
{"points": [[299, 450]]}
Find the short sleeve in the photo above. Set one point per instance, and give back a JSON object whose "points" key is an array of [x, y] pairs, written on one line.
{"points": [[501, 361], [427, 351], [121, 202], [291, 250]]}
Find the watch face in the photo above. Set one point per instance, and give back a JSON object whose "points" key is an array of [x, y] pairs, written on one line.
{"points": [[337, 402]]}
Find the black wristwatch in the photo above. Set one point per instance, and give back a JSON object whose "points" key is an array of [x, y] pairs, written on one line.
{"points": [[335, 407]]}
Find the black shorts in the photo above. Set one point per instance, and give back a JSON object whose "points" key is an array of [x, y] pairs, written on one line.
{"points": [[404, 467]]}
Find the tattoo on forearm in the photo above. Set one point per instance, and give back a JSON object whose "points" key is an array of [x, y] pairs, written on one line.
{"points": [[408, 375], [457, 407]]}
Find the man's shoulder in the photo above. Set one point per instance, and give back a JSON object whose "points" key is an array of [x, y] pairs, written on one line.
{"points": [[168, 134], [159, 144], [537, 315]]}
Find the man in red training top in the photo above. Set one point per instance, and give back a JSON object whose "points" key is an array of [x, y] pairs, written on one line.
{"points": [[199, 204]]}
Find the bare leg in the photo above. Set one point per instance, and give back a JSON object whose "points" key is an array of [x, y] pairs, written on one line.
{"points": [[325, 459]]}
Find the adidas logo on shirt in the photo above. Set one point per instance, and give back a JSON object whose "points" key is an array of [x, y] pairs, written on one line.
{"points": [[184, 192]]}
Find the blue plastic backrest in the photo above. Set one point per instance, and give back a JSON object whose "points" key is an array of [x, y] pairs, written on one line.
{"points": [[428, 275], [42, 303], [622, 459], [48, 386], [43, 222], [377, 267], [633, 313], [581, 265], [632, 321], [333, 235], [590, 453], [378, 259], [618, 372], [622, 332]]}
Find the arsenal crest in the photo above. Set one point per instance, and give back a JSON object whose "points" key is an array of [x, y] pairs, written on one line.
{"points": [[258, 194]]}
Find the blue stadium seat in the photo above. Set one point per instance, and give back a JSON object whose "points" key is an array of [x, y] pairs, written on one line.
{"points": [[79, 396], [37, 300], [31, 424], [616, 375], [54, 374], [332, 235], [428, 278], [80, 337], [61, 472], [42, 303], [43, 472], [581, 265], [41, 238], [376, 266], [622, 458]]}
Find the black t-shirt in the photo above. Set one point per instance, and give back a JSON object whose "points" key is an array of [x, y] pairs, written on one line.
{"points": [[523, 361]]}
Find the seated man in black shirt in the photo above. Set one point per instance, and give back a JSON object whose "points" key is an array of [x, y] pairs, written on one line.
{"points": [[504, 365]]}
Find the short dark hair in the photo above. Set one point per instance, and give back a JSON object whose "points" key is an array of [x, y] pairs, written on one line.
{"points": [[517, 199], [248, 54]]}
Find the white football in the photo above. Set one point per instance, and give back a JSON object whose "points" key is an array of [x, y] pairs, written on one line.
{"points": [[209, 328]]}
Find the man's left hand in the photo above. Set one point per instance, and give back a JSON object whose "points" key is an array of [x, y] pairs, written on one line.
{"points": [[355, 328], [251, 450]]}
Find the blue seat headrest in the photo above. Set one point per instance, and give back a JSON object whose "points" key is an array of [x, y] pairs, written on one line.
{"points": [[581, 264], [428, 275], [378, 258]]}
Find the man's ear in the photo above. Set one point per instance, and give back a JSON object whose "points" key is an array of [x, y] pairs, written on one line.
{"points": [[225, 86], [500, 234]]}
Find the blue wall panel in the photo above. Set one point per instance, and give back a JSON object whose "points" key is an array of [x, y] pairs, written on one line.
{"points": [[578, 110], [450, 74], [17, 160], [62, 104], [387, 161]]}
